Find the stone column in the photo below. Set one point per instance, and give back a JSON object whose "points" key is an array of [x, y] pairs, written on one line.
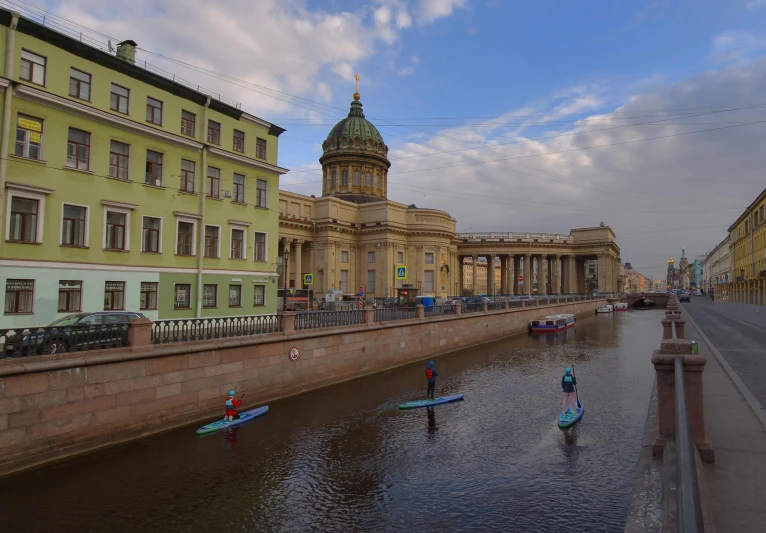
{"points": [[542, 274], [557, 275], [503, 275], [490, 275], [475, 274], [284, 279], [461, 273], [572, 274], [296, 254], [527, 287], [601, 273], [517, 261]]}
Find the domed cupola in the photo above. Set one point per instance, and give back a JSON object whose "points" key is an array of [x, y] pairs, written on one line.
{"points": [[355, 159]]}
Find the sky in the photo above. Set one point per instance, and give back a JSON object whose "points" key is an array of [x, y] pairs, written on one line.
{"points": [[511, 115]]}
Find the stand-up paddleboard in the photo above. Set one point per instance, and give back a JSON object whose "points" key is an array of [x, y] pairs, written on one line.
{"points": [[429, 403], [245, 416], [570, 418]]}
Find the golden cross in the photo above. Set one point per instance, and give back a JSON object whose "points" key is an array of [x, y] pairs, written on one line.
{"points": [[356, 77]]}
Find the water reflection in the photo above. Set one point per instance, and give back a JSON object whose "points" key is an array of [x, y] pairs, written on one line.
{"points": [[431, 415]]}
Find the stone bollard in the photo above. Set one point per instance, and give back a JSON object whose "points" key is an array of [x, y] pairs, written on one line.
{"points": [[523, 304], [369, 315], [421, 311], [458, 308], [680, 328], [667, 329], [140, 334], [484, 307], [506, 305], [288, 322]]}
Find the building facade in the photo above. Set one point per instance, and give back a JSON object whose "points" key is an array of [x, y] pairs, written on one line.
{"points": [[672, 277], [747, 250], [715, 270], [125, 190]]}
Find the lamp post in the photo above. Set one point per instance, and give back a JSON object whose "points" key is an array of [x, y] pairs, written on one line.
{"points": [[282, 262]]}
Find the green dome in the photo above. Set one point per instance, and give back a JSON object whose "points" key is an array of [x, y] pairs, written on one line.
{"points": [[355, 127]]}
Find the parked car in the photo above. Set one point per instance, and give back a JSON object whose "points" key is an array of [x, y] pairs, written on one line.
{"points": [[80, 331], [475, 303], [685, 297]]}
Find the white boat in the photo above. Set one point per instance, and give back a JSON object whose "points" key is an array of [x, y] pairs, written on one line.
{"points": [[606, 308], [622, 306], [552, 324]]}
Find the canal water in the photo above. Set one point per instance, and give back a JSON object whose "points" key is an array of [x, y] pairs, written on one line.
{"points": [[345, 458]]}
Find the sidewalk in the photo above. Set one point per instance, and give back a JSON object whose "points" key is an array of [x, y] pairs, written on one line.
{"points": [[734, 488]]}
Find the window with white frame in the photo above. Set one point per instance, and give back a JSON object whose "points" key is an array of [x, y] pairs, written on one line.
{"points": [[370, 257], [344, 257], [24, 223], [151, 237], [119, 160], [182, 296], [237, 243], [429, 258], [259, 248], [370, 281], [259, 295], [213, 182], [185, 241], [29, 137], [261, 190], [188, 171], [210, 296], [149, 299], [153, 111], [153, 168], [344, 281], [211, 241], [119, 99], [19, 296], [115, 232], [114, 296], [70, 296], [32, 67], [74, 225], [428, 280]]}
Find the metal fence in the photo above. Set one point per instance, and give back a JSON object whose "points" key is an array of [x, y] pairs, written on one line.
{"points": [[440, 310], [387, 314], [22, 342], [197, 329], [328, 319], [689, 510]]}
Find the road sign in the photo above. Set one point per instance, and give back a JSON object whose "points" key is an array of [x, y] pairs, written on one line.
{"points": [[521, 278], [295, 353], [401, 272], [308, 279]]}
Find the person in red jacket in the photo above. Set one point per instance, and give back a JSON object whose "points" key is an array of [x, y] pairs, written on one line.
{"points": [[231, 407]]}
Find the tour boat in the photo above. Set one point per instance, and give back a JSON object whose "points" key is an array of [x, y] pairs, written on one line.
{"points": [[622, 306], [606, 308], [552, 324]]}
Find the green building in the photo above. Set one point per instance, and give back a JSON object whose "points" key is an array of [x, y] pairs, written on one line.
{"points": [[124, 190]]}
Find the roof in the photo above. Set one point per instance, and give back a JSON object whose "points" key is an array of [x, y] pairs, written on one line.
{"points": [[355, 126], [748, 210]]}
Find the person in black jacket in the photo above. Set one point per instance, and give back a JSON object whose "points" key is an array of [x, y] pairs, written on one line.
{"points": [[568, 382], [431, 375]]}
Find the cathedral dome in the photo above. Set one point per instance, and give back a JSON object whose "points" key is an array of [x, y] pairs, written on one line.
{"points": [[355, 132]]}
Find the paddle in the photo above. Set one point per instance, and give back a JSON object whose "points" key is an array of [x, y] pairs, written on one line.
{"points": [[576, 395]]}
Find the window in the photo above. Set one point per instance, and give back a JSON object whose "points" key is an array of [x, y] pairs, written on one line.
{"points": [[239, 188], [428, 280], [370, 257], [368, 180], [79, 84], [400, 257], [29, 137], [150, 238], [344, 280], [213, 132], [259, 295], [119, 160], [148, 296], [357, 178], [185, 238], [344, 257], [114, 296], [78, 149], [260, 148], [153, 111], [333, 179], [239, 141], [182, 297], [119, 99], [70, 296], [187, 175], [214, 182], [73, 225], [32, 67], [379, 179], [153, 168], [237, 244], [429, 258], [210, 296], [260, 191], [115, 230], [188, 123], [235, 295], [211, 241], [370, 281], [23, 226], [344, 178], [259, 249], [19, 296]]}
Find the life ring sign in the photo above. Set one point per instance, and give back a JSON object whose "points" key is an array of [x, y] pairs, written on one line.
{"points": [[295, 353]]}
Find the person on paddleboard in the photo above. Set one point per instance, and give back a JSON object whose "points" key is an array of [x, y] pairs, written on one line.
{"points": [[431, 375], [568, 382], [231, 406]]}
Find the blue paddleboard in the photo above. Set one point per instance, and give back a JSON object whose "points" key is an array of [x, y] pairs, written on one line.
{"points": [[569, 419], [245, 416], [429, 403]]}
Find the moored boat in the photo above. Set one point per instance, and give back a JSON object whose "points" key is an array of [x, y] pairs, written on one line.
{"points": [[552, 324], [606, 308], [621, 306]]}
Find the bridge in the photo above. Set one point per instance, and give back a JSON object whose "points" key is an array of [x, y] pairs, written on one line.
{"points": [[635, 299]]}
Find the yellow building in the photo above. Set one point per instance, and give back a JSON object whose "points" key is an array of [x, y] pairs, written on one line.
{"points": [[747, 254]]}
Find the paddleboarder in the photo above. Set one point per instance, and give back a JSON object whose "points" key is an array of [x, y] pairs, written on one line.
{"points": [[431, 375], [568, 382], [231, 405]]}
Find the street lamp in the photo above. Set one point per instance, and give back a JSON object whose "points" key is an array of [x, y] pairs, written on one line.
{"points": [[285, 258]]}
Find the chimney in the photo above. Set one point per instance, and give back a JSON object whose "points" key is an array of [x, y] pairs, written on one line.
{"points": [[126, 50]]}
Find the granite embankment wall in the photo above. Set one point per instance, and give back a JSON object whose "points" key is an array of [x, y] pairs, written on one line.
{"points": [[56, 406]]}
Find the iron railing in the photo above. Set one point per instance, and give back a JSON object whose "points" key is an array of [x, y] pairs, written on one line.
{"points": [[440, 310], [198, 329], [689, 510], [328, 319], [387, 314], [52, 340]]}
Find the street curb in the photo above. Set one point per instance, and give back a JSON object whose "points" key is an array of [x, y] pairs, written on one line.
{"points": [[741, 387]]}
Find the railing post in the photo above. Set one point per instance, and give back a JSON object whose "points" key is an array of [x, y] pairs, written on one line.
{"points": [[484, 307], [369, 315], [458, 308], [421, 311], [140, 333], [288, 322], [680, 328], [667, 329], [506, 305]]}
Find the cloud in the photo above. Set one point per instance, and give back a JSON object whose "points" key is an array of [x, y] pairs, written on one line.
{"points": [[755, 4], [733, 45], [431, 10]]}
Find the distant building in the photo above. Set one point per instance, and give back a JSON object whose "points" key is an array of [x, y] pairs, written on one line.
{"points": [[715, 269], [747, 250]]}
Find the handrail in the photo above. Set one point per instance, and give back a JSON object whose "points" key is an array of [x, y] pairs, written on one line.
{"points": [[689, 510]]}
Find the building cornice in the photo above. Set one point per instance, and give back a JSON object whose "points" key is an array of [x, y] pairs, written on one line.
{"points": [[236, 158], [4, 82], [28, 188], [123, 205], [125, 268]]}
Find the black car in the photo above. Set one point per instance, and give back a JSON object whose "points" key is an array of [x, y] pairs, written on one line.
{"points": [[685, 297], [475, 303], [81, 331]]}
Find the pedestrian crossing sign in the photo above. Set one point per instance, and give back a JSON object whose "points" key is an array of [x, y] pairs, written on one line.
{"points": [[401, 272], [308, 279]]}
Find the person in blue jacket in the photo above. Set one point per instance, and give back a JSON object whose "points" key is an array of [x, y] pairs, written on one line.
{"points": [[568, 382], [431, 375]]}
